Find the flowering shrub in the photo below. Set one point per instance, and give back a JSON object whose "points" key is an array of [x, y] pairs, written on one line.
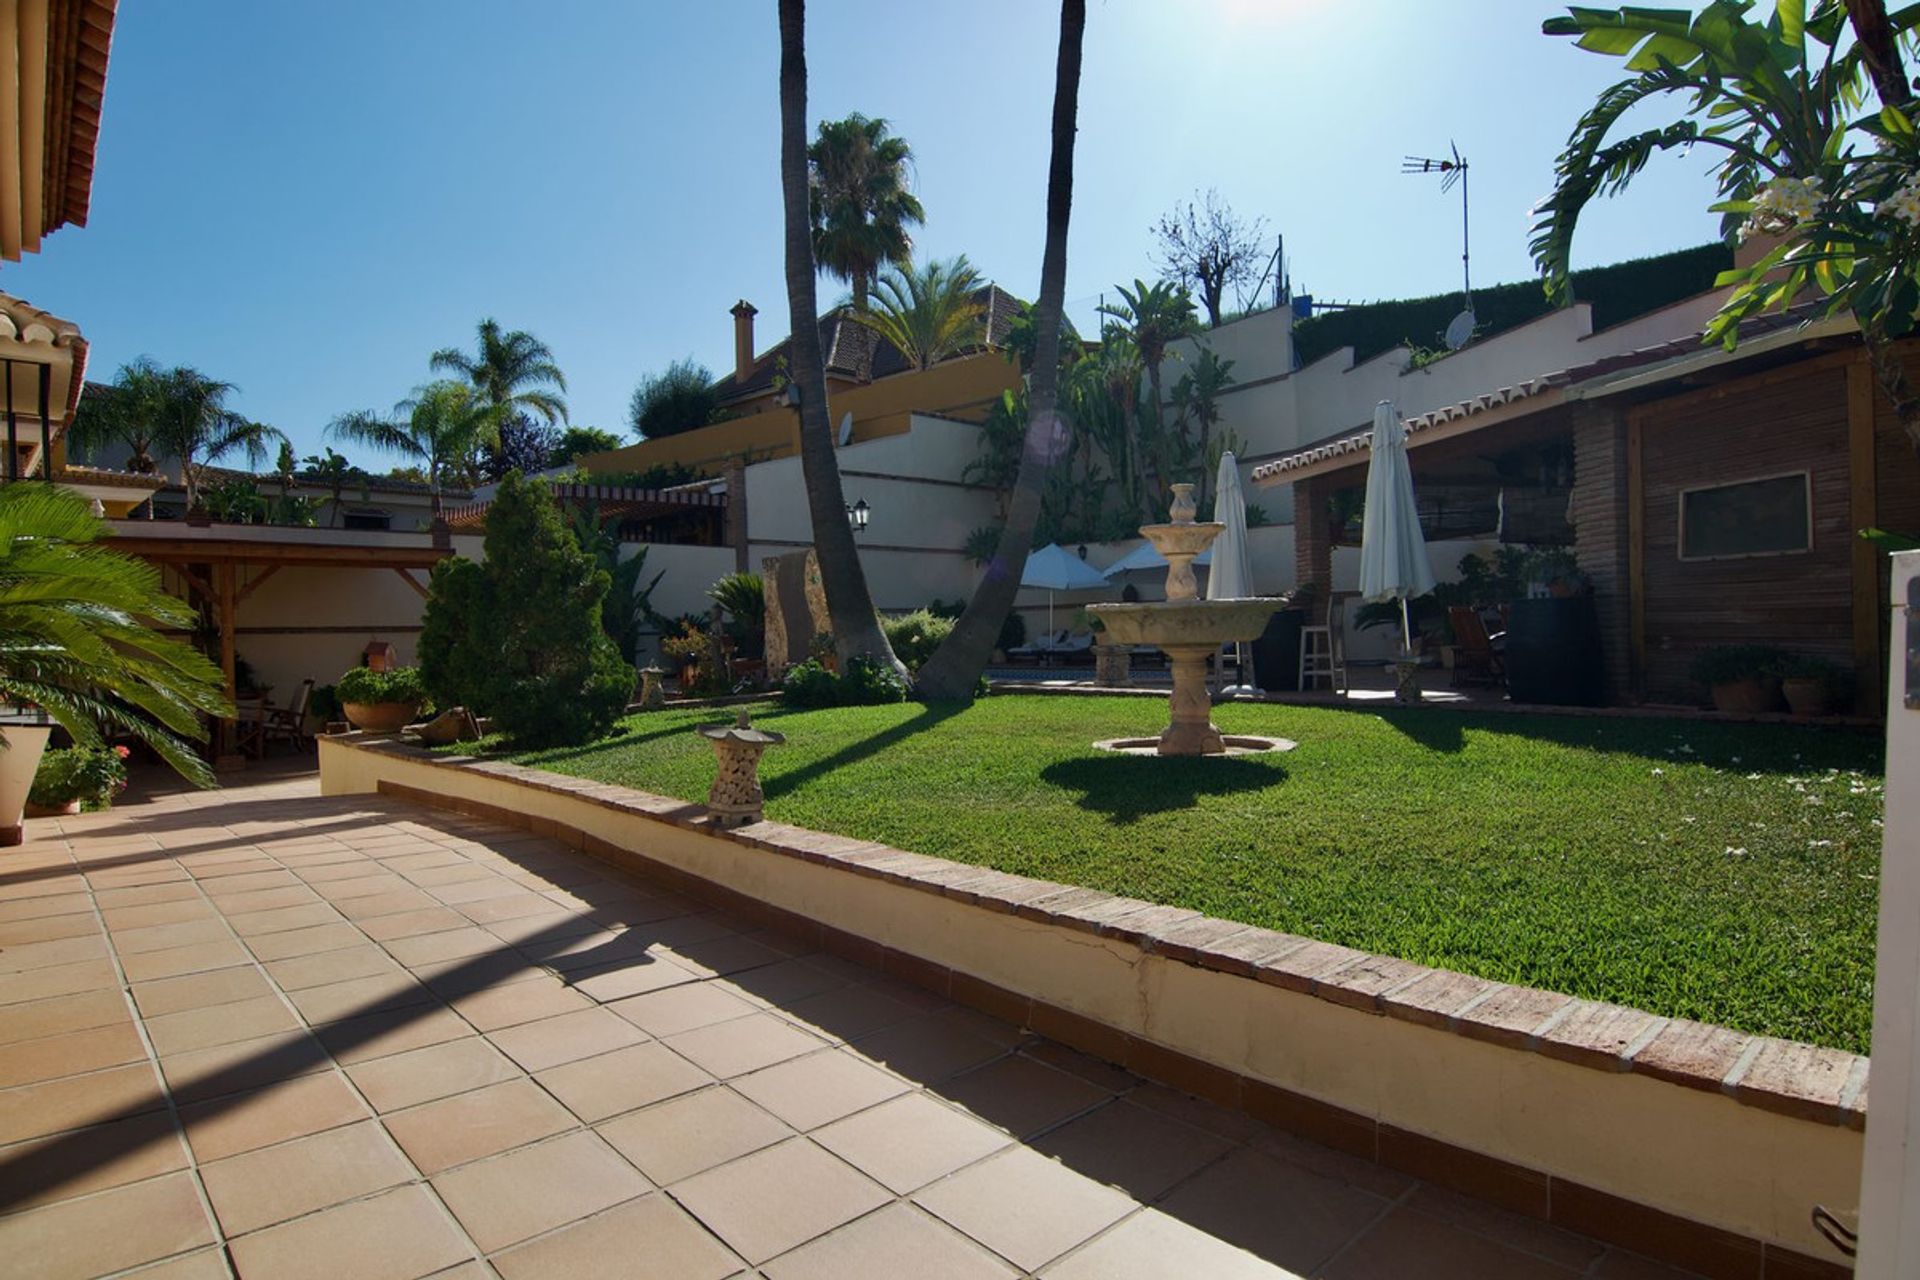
{"points": [[91, 775]]}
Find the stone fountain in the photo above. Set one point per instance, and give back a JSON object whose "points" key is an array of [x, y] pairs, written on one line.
{"points": [[1188, 630]]}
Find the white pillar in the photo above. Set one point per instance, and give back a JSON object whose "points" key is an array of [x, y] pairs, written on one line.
{"points": [[1890, 1185]]}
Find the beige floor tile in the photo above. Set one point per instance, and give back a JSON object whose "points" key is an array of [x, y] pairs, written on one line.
{"points": [[361, 997], [97, 1235], [165, 937], [422, 1075], [567, 1038], [734, 1048], [267, 900], [199, 990], [475, 890], [80, 1161], [242, 1065], [273, 1184], [327, 967], [471, 1126], [60, 951], [383, 906], [1022, 1096], [51, 1057], [1025, 1207], [397, 1235], [175, 961], [692, 1133], [899, 1240], [14, 933], [518, 1002], [1408, 1242], [382, 1035], [819, 1088], [848, 1012], [910, 1141], [292, 1109], [31, 1111], [218, 1024], [1142, 1152], [251, 924], [509, 1198], [429, 918], [62, 904], [1234, 1199], [82, 1011], [175, 910], [682, 1008], [927, 1049], [207, 1264], [651, 1238], [1529, 1235], [767, 1203], [449, 944], [145, 894], [58, 980], [603, 1086], [305, 942], [629, 977], [516, 906], [361, 886], [1152, 1246]]}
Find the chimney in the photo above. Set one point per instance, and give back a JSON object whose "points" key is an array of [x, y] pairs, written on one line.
{"points": [[743, 314]]}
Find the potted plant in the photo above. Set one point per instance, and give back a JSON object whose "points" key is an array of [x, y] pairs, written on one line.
{"points": [[1744, 679], [74, 778], [1812, 686], [382, 701], [688, 649]]}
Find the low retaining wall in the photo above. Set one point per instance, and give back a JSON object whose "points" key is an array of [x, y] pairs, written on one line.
{"points": [[1693, 1143]]}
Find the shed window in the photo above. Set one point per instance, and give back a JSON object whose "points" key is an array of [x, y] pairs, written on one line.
{"points": [[1766, 517], [366, 519]]}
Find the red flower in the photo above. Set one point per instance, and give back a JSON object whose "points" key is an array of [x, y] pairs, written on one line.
{"points": [[122, 752]]}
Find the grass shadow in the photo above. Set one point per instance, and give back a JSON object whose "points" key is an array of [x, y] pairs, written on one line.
{"points": [[929, 716], [1128, 788]]}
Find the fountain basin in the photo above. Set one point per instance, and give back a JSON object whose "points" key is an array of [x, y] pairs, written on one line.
{"points": [[1210, 623]]}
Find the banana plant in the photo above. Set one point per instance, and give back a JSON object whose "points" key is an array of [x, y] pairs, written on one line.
{"points": [[1817, 144]]}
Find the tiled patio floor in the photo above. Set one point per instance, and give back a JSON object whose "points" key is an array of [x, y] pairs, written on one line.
{"points": [[261, 1032]]}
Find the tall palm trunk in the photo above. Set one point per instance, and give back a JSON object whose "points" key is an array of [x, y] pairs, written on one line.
{"points": [[954, 670], [856, 627]]}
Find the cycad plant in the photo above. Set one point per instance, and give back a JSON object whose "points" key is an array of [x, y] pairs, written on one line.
{"points": [[78, 638], [1805, 154], [930, 312], [439, 428]]}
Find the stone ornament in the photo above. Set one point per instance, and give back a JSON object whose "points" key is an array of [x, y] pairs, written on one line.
{"points": [[735, 799], [653, 688]]}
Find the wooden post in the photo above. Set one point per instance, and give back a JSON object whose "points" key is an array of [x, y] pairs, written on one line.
{"points": [[1637, 549], [226, 758], [1862, 513]]}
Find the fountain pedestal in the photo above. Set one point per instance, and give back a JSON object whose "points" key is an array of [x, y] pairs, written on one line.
{"points": [[1192, 731]]}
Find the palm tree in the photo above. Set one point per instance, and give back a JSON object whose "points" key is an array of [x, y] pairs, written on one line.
{"points": [[76, 639], [334, 471], [439, 427], [122, 412], [930, 313], [1781, 104], [954, 670], [193, 423], [1152, 316], [859, 201], [515, 373], [856, 626]]}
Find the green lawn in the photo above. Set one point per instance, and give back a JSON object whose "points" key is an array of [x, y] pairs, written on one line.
{"points": [[1720, 872]]}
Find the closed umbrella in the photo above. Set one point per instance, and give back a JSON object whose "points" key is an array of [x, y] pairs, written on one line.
{"points": [[1393, 552], [1144, 558], [1230, 577], [1054, 568]]}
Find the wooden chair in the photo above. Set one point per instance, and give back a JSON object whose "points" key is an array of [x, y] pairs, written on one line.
{"points": [[289, 722], [1475, 660], [1323, 648]]}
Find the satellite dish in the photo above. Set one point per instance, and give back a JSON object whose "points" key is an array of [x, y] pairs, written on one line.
{"points": [[1460, 330], [846, 429]]}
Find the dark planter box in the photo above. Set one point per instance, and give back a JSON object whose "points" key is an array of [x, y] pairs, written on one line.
{"points": [[1276, 654], [1553, 652]]}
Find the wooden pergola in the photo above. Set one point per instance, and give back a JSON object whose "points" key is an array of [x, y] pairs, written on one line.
{"points": [[222, 569]]}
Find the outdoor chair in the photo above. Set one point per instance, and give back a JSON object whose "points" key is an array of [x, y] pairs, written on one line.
{"points": [[1476, 659], [1042, 647], [1323, 649], [288, 722]]}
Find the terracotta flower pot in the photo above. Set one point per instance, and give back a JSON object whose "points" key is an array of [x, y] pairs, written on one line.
{"points": [[1807, 695], [53, 810], [1753, 696], [26, 743], [381, 717]]}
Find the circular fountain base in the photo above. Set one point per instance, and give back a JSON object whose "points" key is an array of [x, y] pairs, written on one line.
{"points": [[1231, 744]]}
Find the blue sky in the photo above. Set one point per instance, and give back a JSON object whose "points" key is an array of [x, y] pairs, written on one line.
{"points": [[306, 200]]}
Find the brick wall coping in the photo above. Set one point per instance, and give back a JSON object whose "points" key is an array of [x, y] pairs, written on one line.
{"points": [[1803, 1081]]}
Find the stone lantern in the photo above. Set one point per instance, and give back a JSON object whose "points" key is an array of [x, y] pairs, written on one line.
{"points": [[653, 688], [735, 798]]}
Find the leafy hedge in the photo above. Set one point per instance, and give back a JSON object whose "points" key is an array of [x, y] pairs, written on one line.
{"points": [[364, 685], [1618, 292], [866, 683]]}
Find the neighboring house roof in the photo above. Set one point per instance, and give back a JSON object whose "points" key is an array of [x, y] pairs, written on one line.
{"points": [[78, 474], [1354, 444], [854, 352], [24, 324], [353, 485]]}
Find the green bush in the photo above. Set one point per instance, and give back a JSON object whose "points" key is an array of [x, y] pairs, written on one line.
{"points": [[519, 638], [914, 636], [1728, 663], [1013, 630], [867, 683], [91, 775], [743, 597], [365, 686]]}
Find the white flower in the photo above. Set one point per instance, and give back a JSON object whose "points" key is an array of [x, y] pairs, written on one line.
{"points": [[1736, 853], [1819, 844], [1659, 773], [1904, 203], [1782, 205]]}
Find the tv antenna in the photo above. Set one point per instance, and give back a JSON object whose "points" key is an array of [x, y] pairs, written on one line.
{"points": [[1452, 170]]}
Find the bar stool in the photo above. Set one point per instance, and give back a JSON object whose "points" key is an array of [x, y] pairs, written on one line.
{"points": [[1323, 650]]}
